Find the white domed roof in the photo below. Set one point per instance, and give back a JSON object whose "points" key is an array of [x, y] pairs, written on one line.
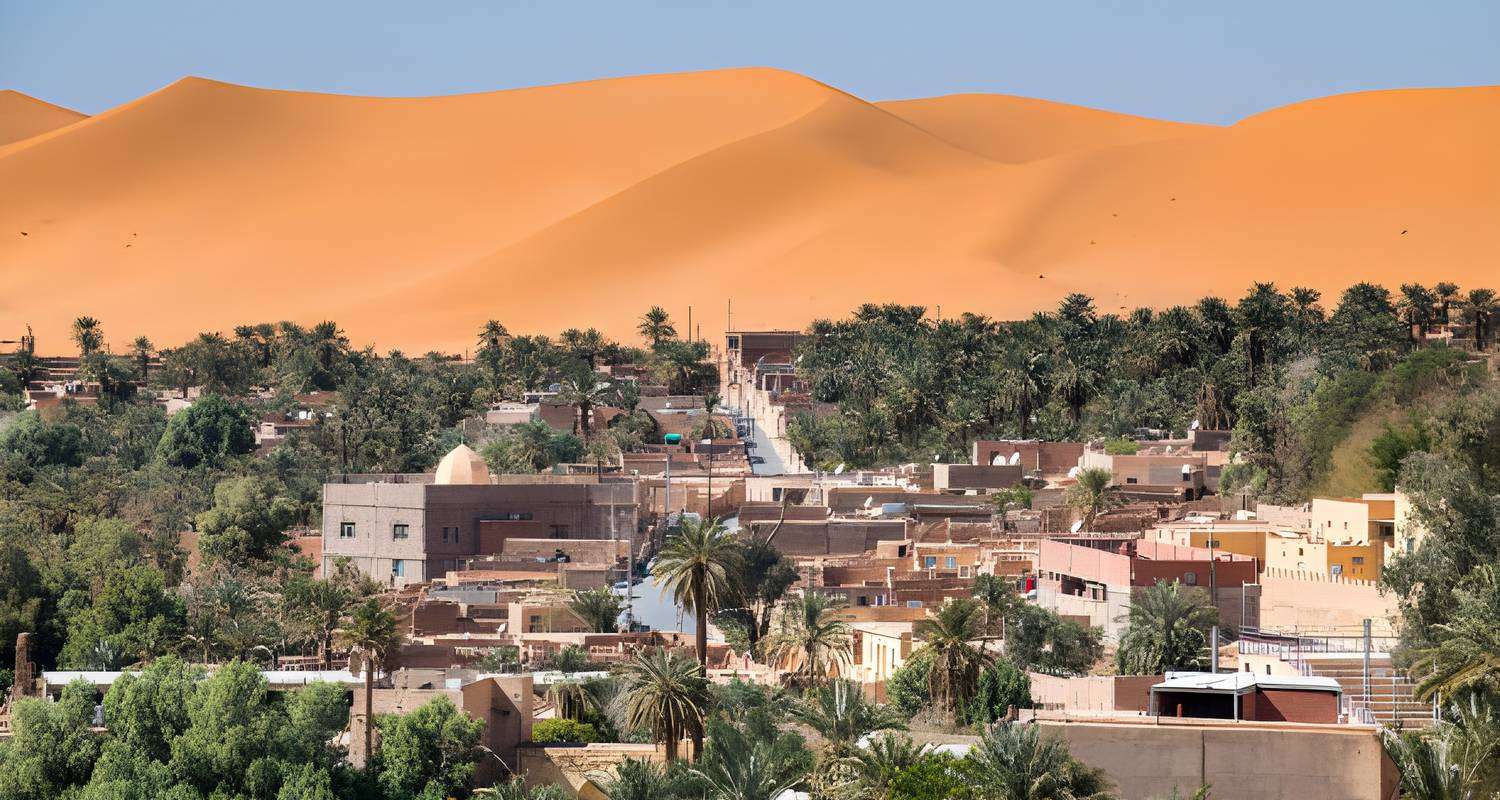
{"points": [[462, 466]]}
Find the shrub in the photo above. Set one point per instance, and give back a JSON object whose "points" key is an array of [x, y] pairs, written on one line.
{"points": [[564, 730]]}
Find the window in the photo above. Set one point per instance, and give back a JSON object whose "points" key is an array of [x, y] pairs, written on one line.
{"points": [[1131, 480], [1187, 476], [1299, 551], [398, 568], [559, 531], [776, 494], [536, 620], [929, 561], [1358, 559], [1190, 578], [450, 534], [346, 530], [1214, 543], [399, 530], [950, 562], [913, 603], [863, 601], [1268, 669]]}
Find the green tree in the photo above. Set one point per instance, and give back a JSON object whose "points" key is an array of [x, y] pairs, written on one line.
{"points": [[1466, 656], [1479, 309], [248, 520], [491, 353], [953, 635], [840, 714], [1001, 687], [430, 752], [133, 617], [371, 632], [1016, 762], [741, 767], [700, 564], [1092, 495], [563, 730], [665, 694], [656, 326], [52, 747], [88, 334], [598, 608], [814, 641], [141, 349], [1456, 759], [1169, 630], [209, 432]]}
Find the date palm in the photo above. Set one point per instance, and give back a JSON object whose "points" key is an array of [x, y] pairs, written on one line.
{"points": [[1092, 494], [841, 715], [141, 349], [701, 564], [1479, 309], [953, 636], [597, 608], [813, 642], [88, 334], [371, 631], [740, 766], [666, 694], [1016, 762], [1447, 295], [1169, 630], [656, 326]]}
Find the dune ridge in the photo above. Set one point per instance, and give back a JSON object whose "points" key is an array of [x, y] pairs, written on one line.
{"points": [[410, 221], [23, 116]]}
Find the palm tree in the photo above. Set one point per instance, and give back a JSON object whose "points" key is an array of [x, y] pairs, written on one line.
{"points": [[742, 767], [953, 636], [841, 715], [1306, 313], [701, 565], [88, 335], [1416, 306], [1479, 307], [584, 345], [656, 326], [1169, 630], [1092, 494], [142, 348], [666, 694], [1455, 759], [1447, 295], [877, 765], [491, 351], [372, 632], [814, 641], [584, 393], [1013, 761], [1022, 379], [598, 608], [1000, 600], [1466, 656]]}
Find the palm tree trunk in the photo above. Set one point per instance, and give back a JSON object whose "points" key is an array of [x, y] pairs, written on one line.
{"points": [[369, 722]]}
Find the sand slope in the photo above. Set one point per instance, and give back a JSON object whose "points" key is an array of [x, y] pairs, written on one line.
{"points": [[412, 220], [23, 116]]}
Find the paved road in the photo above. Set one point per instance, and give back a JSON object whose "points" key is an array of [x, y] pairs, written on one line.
{"points": [[774, 464]]}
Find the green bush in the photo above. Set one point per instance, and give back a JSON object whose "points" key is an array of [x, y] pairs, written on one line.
{"points": [[563, 730], [1121, 446]]}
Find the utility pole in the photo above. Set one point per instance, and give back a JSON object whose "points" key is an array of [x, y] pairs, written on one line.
{"points": [[1365, 671]]}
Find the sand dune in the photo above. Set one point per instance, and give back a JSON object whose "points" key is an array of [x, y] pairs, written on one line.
{"points": [[23, 116], [413, 220]]}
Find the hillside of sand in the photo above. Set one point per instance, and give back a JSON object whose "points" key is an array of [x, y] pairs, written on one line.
{"points": [[411, 221], [23, 116]]}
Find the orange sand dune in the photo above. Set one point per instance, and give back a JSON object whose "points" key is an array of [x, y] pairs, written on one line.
{"points": [[23, 116], [411, 221]]}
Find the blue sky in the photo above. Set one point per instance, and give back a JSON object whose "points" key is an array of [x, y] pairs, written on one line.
{"points": [[1205, 61]]}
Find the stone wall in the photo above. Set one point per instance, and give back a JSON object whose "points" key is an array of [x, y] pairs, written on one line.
{"points": [[1314, 603]]}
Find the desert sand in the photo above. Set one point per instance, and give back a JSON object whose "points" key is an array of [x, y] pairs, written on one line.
{"points": [[411, 221], [23, 116]]}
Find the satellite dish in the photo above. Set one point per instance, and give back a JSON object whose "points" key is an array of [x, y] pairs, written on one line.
{"points": [[839, 470], [1015, 458], [997, 460], [1077, 526], [869, 501], [1194, 426], [1073, 472]]}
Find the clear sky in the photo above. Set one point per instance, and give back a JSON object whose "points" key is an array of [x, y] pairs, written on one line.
{"points": [[1195, 60]]}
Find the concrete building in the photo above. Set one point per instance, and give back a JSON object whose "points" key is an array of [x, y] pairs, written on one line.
{"points": [[413, 528]]}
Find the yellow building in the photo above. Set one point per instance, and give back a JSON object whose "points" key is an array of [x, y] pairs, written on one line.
{"points": [[881, 649]]}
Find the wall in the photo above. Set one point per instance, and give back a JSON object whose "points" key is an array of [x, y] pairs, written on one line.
{"points": [[1290, 705], [576, 769], [1315, 603], [1099, 693], [1240, 762]]}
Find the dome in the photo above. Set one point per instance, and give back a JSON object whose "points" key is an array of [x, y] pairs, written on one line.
{"points": [[462, 466]]}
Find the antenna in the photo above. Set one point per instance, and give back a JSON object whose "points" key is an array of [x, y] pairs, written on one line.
{"points": [[1015, 458]]}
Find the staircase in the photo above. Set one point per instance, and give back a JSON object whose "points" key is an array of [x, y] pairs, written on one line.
{"points": [[1391, 699]]}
